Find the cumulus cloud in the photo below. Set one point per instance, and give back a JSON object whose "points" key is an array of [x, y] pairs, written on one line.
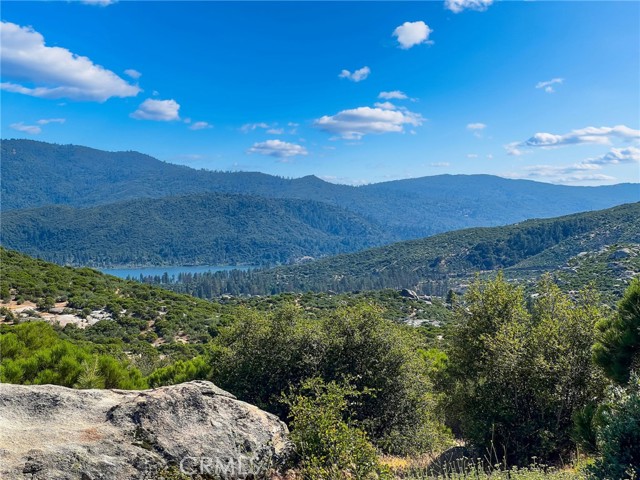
{"points": [[548, 85], [597, 135], [393, 95], [278, 149], [158, 110], [133, 73], [514, 149], [410, 34], [199, 126], [30, 129], [356, 76], [616, 156], [55, 72], [457, 6], [275, 131], [385, 105], [586, 170], [355, 123]]}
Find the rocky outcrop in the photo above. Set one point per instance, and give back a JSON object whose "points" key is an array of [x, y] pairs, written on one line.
{"points": [[51, 432]]}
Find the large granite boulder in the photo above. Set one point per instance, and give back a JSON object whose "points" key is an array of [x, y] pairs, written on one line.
{"points": [[52, 432]]}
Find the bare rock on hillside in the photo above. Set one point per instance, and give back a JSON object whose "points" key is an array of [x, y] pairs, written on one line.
{"points": [[52, 432]]}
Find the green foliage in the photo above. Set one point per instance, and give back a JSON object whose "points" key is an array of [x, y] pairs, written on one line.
{"points": [[327, 444], [36, 174], [211, 228], [262, 355], [474, 472], [139, 313], [617, 349], [435, 265], [33, 354], [517, 375], [618, 434], [198, 368]]}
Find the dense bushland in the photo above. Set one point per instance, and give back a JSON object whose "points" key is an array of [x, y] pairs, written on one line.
{"points": [[515, 375]]}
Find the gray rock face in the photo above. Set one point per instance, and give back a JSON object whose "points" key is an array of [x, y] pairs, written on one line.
{"points": [[619, 254], [405, 292], [51, 432]]}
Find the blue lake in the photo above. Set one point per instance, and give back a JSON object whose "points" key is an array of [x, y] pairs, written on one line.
{"points": [[171, 271]]}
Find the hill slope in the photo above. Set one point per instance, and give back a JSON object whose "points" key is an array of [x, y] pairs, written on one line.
{"points": [[435, 264], [210, 228], [37, 174]]}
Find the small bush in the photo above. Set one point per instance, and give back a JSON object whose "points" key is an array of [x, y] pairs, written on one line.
{"points": [[618, 436], [327, 444]]}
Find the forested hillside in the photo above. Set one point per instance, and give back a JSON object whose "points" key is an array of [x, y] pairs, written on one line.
{"points": [[209, 229], [37, 174], [350, 382], [447, 261]]}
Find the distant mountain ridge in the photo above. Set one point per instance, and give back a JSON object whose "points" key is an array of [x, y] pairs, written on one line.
{"points": [[206, 228], [435, 264], [40, 174]]}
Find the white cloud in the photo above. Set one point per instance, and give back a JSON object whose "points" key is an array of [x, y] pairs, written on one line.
{"points": [[616, 156], [597, 135], [278, 148], [353, 124], [565, 174], [440, 164], [513, 148], [585, 171], [410, 34], [385, 105], [159, 110], [250, 127], [476, 126], [100, 3], [393, 95], [56, 72], [357, 75], [30, 129], [46, 121], [275, 131], [548, 85], [199, 126], [133, 73], [472, 155], [457, 6]]}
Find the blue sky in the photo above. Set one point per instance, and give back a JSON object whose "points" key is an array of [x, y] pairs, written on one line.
{"points": [[351, 92]]}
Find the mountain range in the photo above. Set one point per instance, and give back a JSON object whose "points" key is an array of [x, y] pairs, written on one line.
{"points": [[37, 174], [205, 229]]}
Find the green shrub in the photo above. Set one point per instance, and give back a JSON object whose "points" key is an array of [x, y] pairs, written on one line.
{"points": [[328, 445], [263, 354], [33, 354], [618, 434], [617, 350], [180, 371], [517, 374]]}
